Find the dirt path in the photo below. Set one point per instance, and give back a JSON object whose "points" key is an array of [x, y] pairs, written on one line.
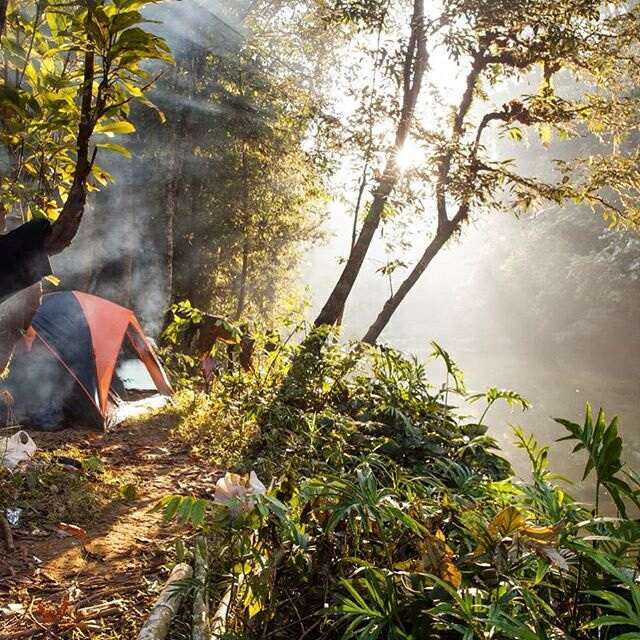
{"points": [[54, 586]]}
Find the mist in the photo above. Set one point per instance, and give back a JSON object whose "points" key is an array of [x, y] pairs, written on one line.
{"points": [[467, 302], [547, 304]]}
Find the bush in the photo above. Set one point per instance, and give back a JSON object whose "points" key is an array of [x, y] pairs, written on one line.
{"points": [[390, 516]]}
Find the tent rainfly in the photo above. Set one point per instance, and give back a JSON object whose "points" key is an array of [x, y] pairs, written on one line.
{"points": [[68, 368]]}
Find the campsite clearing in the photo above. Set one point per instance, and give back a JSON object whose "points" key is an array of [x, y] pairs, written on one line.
{"points": [[100, 575]]}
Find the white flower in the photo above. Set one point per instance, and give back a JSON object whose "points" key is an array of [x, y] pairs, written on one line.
{"points": [[234, 488]]}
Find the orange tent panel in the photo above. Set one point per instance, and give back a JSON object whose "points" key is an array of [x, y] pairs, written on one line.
{"points": [[139, 343], [107, 322]]}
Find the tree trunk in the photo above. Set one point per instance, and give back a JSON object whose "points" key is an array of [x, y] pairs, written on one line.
{"points": [[170, 216], [178, 213], [442, 236], [244, 272], [17, 312], [176, 163], [445, 227], [414, 68], [242, 293], [3, 16], [66, 226], [334, 307]]}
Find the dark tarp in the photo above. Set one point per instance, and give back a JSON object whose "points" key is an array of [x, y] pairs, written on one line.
{"points": [[23, 258], [44, 393]]}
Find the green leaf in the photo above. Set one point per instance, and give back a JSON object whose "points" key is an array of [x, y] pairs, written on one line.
{"points": [[120, 127], [515, 133], [197, 512], [546, 134], [171, 504], [116, 148]]}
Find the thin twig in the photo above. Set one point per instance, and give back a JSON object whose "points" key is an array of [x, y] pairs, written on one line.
{"points": [[6, 533]]}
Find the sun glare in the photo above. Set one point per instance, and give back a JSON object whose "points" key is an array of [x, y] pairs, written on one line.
{"points": [[409, 156]]}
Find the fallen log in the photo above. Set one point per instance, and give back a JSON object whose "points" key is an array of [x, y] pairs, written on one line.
{"points": [[157, 625], [219, 620]]}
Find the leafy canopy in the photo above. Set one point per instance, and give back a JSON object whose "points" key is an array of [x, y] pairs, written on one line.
{"points": [[48, 53]]}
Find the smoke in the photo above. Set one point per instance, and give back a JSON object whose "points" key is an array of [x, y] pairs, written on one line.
{"points": [[120, 251]]}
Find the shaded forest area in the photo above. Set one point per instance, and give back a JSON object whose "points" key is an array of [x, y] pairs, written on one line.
{"points": [[222, 197]]}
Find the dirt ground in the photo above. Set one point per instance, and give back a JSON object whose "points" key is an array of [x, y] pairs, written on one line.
{"points": [[60, 585]]}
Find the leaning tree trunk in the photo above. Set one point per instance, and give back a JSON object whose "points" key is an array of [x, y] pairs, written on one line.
{"points": [[445, 227], [414, 68], [17, 312], [390, 306], [334, 307], [64, 229]]}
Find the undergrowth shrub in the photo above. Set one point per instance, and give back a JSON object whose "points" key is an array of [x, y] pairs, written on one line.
{"points": [[389, 515], [214, 428]]}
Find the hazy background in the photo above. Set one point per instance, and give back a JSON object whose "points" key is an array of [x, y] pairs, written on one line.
{"points": [[484, 301]]}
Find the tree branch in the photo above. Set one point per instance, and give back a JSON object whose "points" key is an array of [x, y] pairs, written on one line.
{"points": [[66, 226], [444, 166]]}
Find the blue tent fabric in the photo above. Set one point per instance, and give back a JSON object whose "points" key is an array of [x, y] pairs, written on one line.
{"points": [[58, 378], [61, 324], [44, 389]]}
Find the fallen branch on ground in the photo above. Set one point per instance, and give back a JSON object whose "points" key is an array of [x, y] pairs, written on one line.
{"points": [[34, 631], [100, 595], [157, 625], [200, 627]]}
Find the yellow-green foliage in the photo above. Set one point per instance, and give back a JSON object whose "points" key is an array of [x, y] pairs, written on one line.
{"points": [[390, 516], [214, 428], [48, 493]]}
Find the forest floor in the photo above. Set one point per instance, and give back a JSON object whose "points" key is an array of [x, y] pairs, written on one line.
{"points": [[99, 578]]}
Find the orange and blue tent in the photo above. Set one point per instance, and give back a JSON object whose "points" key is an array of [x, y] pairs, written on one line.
{"points": [[65, 369]]}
